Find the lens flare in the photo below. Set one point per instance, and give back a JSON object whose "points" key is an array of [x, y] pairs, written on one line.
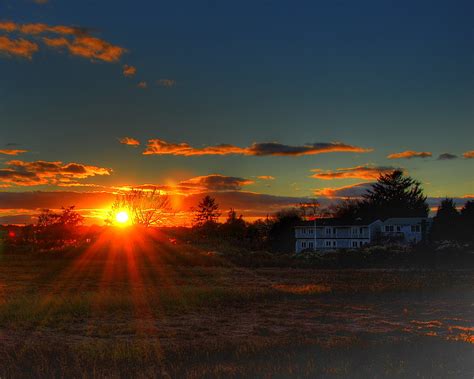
{"points": [[122, 217]]}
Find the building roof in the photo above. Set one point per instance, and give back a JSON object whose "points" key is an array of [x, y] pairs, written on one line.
{"points": [[320, 222], [406, 220]]}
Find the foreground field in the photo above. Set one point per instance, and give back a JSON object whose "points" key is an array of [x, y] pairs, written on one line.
{"points": [[127, 309]]}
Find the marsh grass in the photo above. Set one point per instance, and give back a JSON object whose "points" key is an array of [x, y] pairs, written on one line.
{"points": [[155, 316]]}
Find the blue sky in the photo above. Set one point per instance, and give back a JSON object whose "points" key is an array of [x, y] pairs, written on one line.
{"points": [[393, 76]]}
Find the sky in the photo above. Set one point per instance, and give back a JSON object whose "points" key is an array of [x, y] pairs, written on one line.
{"points": [[261, 103]]}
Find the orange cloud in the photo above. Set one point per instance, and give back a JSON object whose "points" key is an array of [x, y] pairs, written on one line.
{"points": [[129, 70], [410, 154], [160, 147], [21, 173], [468, 154], [142, 85], [19, 47], [366, 172], [129, 141], [78, 42], [12, 151], [354, 190], [266, 177]]}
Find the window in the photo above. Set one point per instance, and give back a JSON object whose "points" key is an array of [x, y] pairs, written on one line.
{"points": [[303, 231], [398, 228], [389, 228], [334, 243], [354, 243], [311, 245], [361, 230], [328, 231], [328, 243], [360, 243], [334, 231], [303, 245], [415, 228]]}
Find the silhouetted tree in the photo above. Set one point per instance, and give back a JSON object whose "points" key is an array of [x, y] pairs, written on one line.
{"points": [[394, 195], [57, 228], [281, 236], [467, 221], [347, 209], [234, 227], [145, 207], [207, 212], [312, 209], [446, 222]]}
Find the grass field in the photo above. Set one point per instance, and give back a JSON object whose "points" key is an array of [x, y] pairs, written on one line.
{"points": [[123, 308]]}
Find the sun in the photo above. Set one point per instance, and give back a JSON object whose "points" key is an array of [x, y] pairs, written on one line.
{"points": [[122, 218]]}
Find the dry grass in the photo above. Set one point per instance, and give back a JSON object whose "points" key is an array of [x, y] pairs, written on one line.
{"points": [[149, 312]]}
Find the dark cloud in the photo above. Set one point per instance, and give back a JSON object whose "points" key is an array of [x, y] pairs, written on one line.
{"points": [[447, 156], [409, 154], [216, 182], [21, 173], [161, 147], [367, 172]]}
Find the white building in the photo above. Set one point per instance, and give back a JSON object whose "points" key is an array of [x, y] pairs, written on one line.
{"points": [[406, 230], [330, 233]]}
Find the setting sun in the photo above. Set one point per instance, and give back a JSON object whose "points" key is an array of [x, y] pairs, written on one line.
{"points": [[122, 217]]}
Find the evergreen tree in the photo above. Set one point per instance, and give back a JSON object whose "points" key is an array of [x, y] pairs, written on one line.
{"points": [[467, 221], [446, 222], [394, 195], [207, 212]]}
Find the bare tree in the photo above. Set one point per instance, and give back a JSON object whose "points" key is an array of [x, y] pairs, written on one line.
{"points": [[312, 209], [145, 207]]}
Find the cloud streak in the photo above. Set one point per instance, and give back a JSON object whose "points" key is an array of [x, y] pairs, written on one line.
{"points": [[161, 147], [468, 154], [366, 172], [129, 141], [354, 190], [447, 157], [409, 154], [21, 173], [12, 151]]}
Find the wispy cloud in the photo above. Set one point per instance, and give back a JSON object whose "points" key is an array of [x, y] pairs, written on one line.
{"points": [[366, 172], [447, 157], [18, 47], [21, 173], [142, 85], [168, 83], [409, 154], [12, 151], [354, 190], [78, 41], [129, 141], [161, 147], [266, 177], [468, 154], [128, 70]]}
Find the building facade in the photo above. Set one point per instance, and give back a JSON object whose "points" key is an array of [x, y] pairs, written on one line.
{"points": [[406, 230], [329, 234]]}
